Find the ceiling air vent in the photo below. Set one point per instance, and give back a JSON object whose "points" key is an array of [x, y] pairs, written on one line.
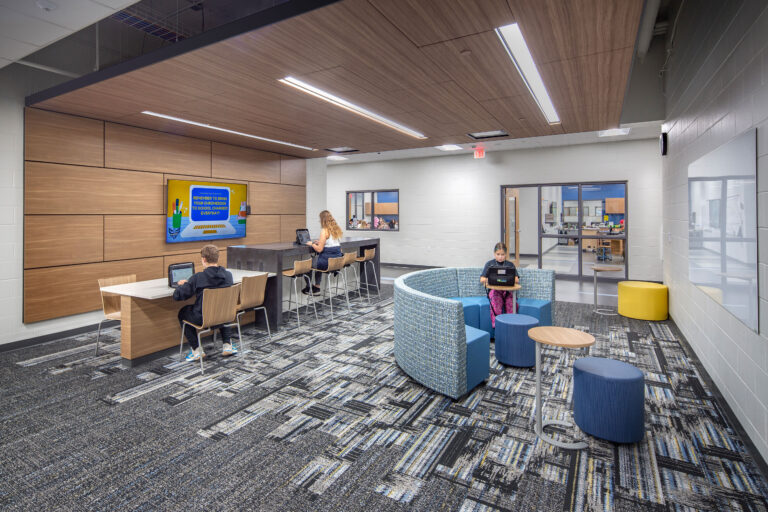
{"points": [[488, 135], [342, 149]]}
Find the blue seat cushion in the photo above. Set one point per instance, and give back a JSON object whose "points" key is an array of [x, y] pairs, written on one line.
{"points": [[471, 312], [537, 308], [478, 356], [483, 314], [609, 399]]}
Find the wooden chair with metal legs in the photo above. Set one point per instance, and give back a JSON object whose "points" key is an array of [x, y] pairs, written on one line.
{"points": [[335, 267], [219, 309], [110, 302], [252, 291], [301, 269], [349, 261], [365, 259]]}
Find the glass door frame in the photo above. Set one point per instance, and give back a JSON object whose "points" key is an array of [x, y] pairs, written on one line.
{"points": [[579, 236]]}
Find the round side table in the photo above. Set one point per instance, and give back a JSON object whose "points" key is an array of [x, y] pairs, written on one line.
{"points": [[512, 289], [595, 270], [557, 337]]}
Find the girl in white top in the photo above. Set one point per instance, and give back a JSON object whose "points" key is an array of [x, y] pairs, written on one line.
{"points": [[327, 246]]}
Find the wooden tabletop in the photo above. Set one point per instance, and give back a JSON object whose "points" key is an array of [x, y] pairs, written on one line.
{"points": [[561, 337], [503, 288], [154, 289], [607, 268]]}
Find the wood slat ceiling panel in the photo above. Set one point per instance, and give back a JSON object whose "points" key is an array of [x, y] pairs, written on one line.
{"points": [[368, 52], [431, 21], [563, 29]]}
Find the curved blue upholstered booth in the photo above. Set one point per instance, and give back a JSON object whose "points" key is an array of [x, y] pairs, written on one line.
{"points": [[513, 346], [609, 399], [433, 344]]}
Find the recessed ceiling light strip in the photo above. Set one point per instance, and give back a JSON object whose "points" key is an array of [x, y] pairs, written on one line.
{"points": [[341, 102], [513, 41], [225, 130]]}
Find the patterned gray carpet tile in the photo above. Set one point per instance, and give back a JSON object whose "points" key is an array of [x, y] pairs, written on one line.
{"points": [[321, 418]]}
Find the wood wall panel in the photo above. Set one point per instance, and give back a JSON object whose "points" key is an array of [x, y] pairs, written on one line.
{"points": [[289, 224], [52, 240], [293, 171], [245, 164], [54, 137], [55, 189], [262, 229], [268, 198], [140, 236], [194, 257], [68, 290], [127, 147]]}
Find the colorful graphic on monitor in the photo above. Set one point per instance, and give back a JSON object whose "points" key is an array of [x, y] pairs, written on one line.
{"points": [[200, 210]]}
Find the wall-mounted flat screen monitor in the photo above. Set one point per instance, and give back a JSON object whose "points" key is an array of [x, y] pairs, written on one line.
{"points": [[722, 226], [202, 210]]}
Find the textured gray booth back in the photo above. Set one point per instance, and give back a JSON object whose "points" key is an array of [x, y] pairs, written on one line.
{"points": [[430, 340]]}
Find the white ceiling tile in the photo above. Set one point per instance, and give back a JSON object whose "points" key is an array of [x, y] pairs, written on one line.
{"points": [[70, 14], [14, 50], [18, 26], [115, 4]]}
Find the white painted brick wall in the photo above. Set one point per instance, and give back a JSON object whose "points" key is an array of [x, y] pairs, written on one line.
{"points": [[450, 205], [718, 88]]}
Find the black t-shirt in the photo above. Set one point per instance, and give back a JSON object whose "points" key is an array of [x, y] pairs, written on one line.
{"points": [[494, 263]]}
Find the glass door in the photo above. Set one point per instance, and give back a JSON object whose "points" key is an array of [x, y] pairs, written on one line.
{"points": [[512, 228]]}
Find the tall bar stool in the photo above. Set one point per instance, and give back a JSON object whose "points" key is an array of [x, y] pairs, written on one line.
{"points": [[335, 269], [301, 268], [366, 258], [350, 259]]}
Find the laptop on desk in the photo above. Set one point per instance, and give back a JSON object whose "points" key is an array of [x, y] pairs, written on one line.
{"points": [[302, 236], [179, 271]]}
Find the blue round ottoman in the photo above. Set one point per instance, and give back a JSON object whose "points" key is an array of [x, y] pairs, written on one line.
{"points": [[609, 399], [513, 346]]}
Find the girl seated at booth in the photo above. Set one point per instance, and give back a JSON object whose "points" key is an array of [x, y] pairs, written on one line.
{"points": [[501, 301]]}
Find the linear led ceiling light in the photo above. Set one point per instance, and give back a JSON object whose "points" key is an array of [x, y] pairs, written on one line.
{"points": [[211, 127], [513, 42], [337, 157], [341, 102], [448, 147], [613, 132]]}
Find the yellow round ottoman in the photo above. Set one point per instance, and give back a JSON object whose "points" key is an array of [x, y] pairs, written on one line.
{"points": [[644, 301]]}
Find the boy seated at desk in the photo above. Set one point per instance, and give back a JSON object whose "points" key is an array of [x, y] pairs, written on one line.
{"points": [[212, 276]]}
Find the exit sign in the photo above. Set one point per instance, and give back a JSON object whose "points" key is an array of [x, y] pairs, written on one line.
{"points": [[479, 152]]}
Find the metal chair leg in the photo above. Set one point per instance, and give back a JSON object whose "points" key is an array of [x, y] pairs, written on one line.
{"points": [[240, 336], [200, 346], [314, 306], [298, 319], [346, 293], [181, 342], [330, 299], [266, 319], [373, 269], [98, 335]]}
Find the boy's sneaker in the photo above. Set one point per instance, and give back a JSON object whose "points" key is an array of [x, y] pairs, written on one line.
{"points": [[228, 350], [195, 355]]}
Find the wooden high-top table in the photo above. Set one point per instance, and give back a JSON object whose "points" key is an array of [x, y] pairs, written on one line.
{"points": [[603, 268], [556, 337]]}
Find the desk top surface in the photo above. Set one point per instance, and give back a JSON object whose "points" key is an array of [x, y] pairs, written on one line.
{"points": [[561, 337], [159, 289], [503, 288], [285, 246]]}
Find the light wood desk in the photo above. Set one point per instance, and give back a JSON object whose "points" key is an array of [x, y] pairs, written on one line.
{"points": [[150, 315]]}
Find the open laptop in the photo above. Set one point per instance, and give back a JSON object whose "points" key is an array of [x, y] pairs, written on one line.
{"points": [[302, 236], [179, 271], [205, 221], [501, 276]]}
